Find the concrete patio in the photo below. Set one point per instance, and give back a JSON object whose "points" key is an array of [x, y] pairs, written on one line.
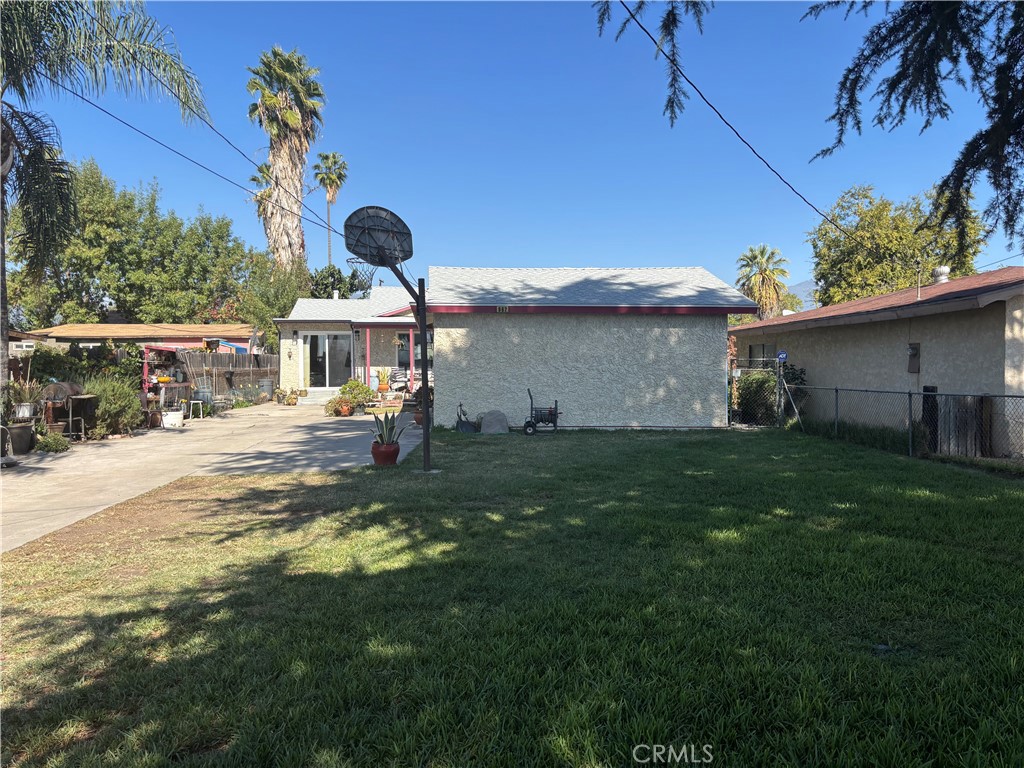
{"points": [[49, 491]]}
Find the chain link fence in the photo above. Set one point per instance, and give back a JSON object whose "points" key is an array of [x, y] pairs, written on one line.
{"points": [[974, 426], [916, 423]]}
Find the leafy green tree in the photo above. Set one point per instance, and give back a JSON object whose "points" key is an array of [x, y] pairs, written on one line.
{"points": [[760, 273], [287, 107], [330, 173], [893, 245], [326, 281], [907, 61], [88, 47], [71, 286], [125, 252], [269, 291]]}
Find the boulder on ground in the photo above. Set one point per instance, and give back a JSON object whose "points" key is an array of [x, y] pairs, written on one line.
{"points": [[493, 423]]}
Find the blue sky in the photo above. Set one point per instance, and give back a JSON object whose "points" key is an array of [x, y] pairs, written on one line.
{"points": [[510, 134]]}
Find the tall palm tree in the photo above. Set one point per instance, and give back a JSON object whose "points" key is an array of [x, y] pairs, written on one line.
{"points": [[262, 181], [86, 47], [331, 173], [760, 278], [287, 107]]}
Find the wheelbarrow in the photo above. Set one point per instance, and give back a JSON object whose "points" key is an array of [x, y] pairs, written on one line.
{"points": [[538, 416]]}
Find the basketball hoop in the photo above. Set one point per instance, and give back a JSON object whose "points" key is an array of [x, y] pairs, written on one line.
{"points": [[364, 272]]}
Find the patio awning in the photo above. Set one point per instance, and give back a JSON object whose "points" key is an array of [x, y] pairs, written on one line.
{"points": [[406, 321]]}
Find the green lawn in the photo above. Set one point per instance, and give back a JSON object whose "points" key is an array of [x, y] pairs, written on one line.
{"points": [[548, 601]]}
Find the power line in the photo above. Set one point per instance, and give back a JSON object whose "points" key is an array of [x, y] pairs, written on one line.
{"points": [[180, 154], [999, 261], [769, 166], [201, 117]]}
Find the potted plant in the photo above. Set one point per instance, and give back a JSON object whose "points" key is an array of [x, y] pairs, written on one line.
{"points": [[383, 376], [338, 406], [386, 432], [302, 392], [280, 395], [25, 396], [292, 398]]}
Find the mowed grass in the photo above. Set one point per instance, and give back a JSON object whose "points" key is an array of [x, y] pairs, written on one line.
{"points": [[543, 601]]}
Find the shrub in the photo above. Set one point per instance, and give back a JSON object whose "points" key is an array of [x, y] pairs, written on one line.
{"points": [[118, 408], [333, 406], [356, 392], [53, 442], [755, 398]]}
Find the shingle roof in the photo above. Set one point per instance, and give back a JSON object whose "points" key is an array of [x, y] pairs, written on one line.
{"points": [[934, 298], [582, 287], [382, 298], [101, 331]]}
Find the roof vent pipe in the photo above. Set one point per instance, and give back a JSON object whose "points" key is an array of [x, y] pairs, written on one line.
{"points": [[940, 275], [336, 290]]}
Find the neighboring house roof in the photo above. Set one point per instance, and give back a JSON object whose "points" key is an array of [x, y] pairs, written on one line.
{"points": [[16, 335], [123, 331], [971, 292], [382, 299], [657, 290]]}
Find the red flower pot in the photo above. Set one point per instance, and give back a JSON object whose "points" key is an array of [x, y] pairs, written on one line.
{"points": [[384, 454]]}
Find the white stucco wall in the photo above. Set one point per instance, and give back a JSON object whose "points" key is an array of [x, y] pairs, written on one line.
{"points": [[960, 352], [604, 370], [1014, 337]]}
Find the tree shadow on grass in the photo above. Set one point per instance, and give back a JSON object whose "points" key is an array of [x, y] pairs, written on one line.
{"points": [[551, 607]]}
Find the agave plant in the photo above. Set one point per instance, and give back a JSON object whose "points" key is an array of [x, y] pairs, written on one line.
{"points": [[386, 430]]}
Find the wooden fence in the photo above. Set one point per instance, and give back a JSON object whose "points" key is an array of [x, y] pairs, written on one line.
{"points": [[226, 372]]}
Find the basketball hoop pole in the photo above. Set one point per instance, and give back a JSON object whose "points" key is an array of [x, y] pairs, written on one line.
{"points": [[420, 297]]}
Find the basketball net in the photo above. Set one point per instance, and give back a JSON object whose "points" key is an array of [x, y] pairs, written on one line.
{"points": [[364, 272]]}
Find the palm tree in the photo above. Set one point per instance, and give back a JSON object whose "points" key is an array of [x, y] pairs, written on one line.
{"points": [[85, 47], [262, 182], [331, 173], [760, 278], [287, 107]]}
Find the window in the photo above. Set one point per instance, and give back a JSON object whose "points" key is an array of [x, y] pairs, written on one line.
{"points": [[759, 354], [402, 351]]}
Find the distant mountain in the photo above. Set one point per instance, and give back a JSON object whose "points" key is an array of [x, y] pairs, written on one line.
{"points": [[805, 292]]}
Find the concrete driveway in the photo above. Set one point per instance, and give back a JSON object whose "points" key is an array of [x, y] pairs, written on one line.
{"points": [[47, 492]]}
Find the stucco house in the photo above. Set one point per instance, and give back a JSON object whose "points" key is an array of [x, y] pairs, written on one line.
{"points": [[957, 337], [615, 347], [325, 342], [964, 335]]}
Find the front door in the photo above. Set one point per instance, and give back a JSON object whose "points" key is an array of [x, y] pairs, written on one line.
{"points": [[326, 359]]}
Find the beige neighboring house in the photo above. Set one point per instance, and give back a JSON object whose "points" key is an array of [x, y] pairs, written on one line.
{"points": [[961, 336], [615, 347]]}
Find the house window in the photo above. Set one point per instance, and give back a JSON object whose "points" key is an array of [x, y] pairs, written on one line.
{"points": [[24, 346], [402, 351], [760, 355]]}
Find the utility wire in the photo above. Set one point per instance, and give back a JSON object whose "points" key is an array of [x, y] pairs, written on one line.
{"points": [[999, 261], [201, 117], [769, 166], [180, 154]]}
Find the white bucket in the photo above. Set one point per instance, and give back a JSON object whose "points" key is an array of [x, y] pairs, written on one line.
{"points": [[174, 419]]}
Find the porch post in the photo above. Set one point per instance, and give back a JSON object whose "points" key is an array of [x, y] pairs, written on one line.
{"points": [[366, 333], [412, 361]]}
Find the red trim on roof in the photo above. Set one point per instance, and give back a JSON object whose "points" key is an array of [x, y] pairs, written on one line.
{"points": [[395, 312], [562, 309], [935, 294]]}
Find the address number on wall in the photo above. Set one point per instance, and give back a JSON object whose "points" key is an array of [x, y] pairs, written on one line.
{"points": [[502, 310]]}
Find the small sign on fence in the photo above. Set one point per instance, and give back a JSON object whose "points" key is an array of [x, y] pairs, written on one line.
{"points": [[783, 356]]}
